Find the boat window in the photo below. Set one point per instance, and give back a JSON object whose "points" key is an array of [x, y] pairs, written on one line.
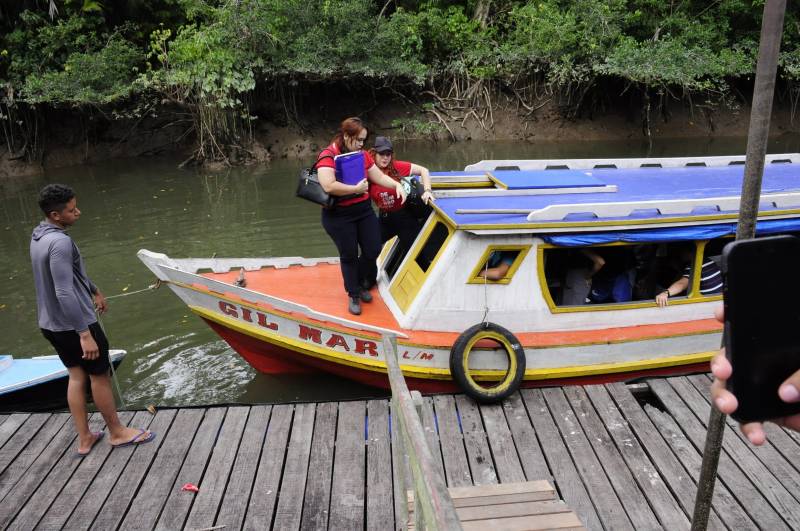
{"points": [[432, 245], [498, 264], [621, 275]]}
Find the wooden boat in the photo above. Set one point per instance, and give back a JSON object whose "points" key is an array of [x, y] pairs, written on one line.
{"points": [[456, 329], [38, 383]]}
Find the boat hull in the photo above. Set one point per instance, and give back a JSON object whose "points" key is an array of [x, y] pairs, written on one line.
{"points": [[272, 358]]}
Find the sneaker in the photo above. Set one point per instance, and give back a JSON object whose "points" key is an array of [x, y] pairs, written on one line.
{"points": [[366, 296], [354, 306]]}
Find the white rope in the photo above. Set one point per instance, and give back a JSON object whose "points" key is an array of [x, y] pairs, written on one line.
{"points": [[111, 362], [148, 288]]}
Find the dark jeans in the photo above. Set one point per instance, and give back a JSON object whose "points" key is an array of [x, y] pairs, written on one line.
{"points": [[402, 224], [351, 227]]}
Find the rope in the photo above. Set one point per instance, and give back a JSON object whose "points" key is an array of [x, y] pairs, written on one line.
{"points": [[485, 293], [111, 362], [148, 288]]}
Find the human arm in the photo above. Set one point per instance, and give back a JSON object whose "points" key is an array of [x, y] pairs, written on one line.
{"points": [[676, 288], [327, 179], [425, 177], [726, 402], [495, 273], [597, 262], [376, 176]]}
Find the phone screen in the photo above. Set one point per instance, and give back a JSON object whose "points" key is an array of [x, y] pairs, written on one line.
{"points": [[762, 323]]}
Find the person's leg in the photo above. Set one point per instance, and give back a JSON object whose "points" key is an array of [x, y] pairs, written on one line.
{"points": [[76, 399], [369, 240], [343, 232], [102, 394], [407, 227]]}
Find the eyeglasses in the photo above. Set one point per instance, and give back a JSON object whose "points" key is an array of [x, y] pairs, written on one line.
{"points": [[360, 140]]}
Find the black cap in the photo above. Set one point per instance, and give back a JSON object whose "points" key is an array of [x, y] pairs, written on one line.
{"points": [[382, 144]]}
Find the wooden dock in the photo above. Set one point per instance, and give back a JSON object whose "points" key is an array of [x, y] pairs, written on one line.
{"points": [[619, 462]]}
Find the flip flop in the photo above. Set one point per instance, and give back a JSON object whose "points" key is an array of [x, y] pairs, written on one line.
{"points": [[97, 436], [135, 439]]}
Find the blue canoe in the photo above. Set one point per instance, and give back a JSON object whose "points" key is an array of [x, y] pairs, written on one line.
{"points": [[35, 384]]}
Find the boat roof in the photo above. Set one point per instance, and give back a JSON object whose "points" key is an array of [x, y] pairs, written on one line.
{"points": [[605, 197]]}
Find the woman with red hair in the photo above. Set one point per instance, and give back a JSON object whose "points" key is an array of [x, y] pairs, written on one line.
{"points": [[351, 223]]}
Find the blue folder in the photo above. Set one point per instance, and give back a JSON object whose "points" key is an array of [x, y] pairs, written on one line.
{"points": [[350, 167]]}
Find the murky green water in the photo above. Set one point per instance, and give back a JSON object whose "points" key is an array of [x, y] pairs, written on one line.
{"points": [[174, 358]]}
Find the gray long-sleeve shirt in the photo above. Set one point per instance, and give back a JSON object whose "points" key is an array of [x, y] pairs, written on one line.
{"points": [[63, 289]]}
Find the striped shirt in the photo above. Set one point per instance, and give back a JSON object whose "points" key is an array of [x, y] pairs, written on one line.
{"points": [[710, 278]]}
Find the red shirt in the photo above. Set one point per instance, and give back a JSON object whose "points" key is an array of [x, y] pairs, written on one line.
{"points": [[327, 162], [385, 198]]}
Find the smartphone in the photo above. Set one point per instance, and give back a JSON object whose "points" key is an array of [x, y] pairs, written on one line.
{"points": [[762, 323]]}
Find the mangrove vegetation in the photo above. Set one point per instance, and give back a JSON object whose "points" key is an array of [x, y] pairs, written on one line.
{"points": [[216, 67]]}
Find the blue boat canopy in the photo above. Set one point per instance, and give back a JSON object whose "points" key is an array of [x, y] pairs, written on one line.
{"points": [[669, 234]]}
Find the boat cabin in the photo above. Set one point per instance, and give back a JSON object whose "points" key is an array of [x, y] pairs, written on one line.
{"points": [[650, 222]]}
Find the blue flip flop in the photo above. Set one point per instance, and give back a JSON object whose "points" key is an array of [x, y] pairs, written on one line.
{"points": [[136, 440], [97, 436]]}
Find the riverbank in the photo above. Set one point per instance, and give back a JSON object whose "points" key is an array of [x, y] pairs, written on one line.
{"points": [[71, 142]]}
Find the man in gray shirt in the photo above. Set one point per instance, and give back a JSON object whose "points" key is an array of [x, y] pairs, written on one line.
{"points": [[66, 299]]}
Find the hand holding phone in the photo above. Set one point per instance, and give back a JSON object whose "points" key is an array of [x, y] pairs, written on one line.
{"points": [[762, 319], [726, 402]]}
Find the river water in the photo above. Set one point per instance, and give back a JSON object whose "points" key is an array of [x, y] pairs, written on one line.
{"points": [[174, 359]]}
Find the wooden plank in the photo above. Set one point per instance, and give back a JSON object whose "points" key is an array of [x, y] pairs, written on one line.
{"points": [[66, 483], [530, 453], [212, 487], [11, 424], [545, 521], [237, 492], [764, 461], [295, 470], [565, 474], [28, 432], [316, 502], [401, 471], [33, 476], [102, 493], [429, 424], [380, 511], [723, 502], [538, 487], [268, 477], [636, 507], [179, 502], [157, 485], [501, 443], [677, 473], [506, 510], [783, 465], [454, 454], [347, 505], [743, 481], [609, 509], [646, 474], [478, 452]]}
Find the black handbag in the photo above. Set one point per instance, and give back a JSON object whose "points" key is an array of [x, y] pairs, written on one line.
{"points": [[308, 186]]}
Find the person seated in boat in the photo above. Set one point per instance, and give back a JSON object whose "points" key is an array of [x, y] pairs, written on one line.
{"points": [[710, 277], [351, 223], [498, 264], [610, 274], [403, 220]]}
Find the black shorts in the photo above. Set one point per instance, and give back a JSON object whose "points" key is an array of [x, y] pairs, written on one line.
{"points": [[68, 346]]}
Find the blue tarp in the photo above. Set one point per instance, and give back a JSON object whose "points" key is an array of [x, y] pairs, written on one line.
{"points": [[672, 234], [530, 179]]}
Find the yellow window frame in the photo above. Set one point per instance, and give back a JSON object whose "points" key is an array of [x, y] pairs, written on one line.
{"points": [[409, 279], [522, 253], [693, 293]]}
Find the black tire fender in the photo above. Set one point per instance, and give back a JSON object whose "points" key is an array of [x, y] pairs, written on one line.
{"points": [[459, 362]]}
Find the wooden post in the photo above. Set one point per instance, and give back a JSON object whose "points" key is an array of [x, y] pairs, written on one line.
{"points": [[435, 504], [771, 30]]}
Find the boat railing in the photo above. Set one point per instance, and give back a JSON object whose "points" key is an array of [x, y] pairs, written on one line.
{"points": [[626, 163], [433, 506]]}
